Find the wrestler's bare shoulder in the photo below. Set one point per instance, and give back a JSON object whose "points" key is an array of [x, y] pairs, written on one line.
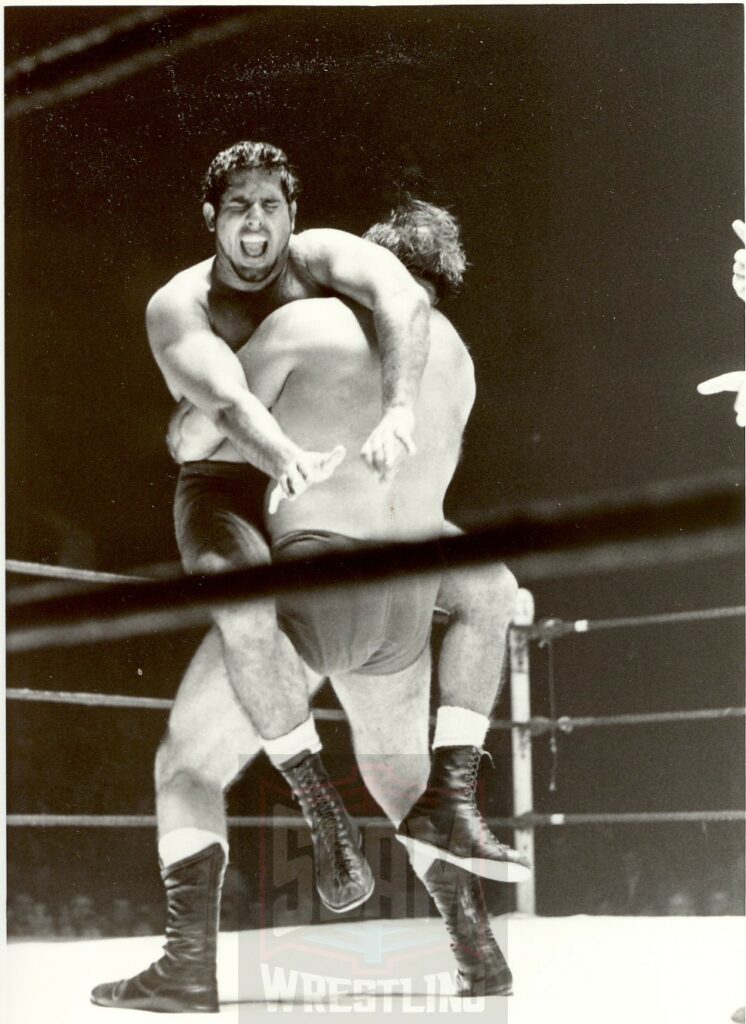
{"points": [[186, 290], [315, 243]]}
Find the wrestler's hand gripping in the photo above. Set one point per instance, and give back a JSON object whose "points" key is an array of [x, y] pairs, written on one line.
{"points": [[302, 472], [389, 440]]}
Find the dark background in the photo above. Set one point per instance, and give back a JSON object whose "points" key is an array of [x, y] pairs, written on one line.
{"points": [[594, 156]]}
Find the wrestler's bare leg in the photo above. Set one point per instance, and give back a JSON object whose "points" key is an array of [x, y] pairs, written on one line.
{"points": [[389, 720], [263, 668], [209, 741], [446, 821], [480, 603], [388, 717]]}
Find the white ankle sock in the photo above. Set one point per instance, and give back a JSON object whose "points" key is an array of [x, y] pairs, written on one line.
{"points": [[302, 737], [459, 727], [183, 842]]}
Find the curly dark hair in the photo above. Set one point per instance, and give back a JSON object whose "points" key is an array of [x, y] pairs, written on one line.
{"points": [[427, 240], [248, 156]]}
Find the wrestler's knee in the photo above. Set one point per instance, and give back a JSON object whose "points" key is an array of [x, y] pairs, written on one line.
{"points": [[176, 759], [215, 561], [235, 619], [164, 768], [502, 587], [166, 760], [207, 562], [486, 592]]}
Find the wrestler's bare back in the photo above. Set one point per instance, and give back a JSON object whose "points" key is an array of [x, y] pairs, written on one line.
{"points": [[315, 365]]}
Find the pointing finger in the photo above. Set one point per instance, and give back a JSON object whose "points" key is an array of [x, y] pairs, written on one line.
{"points": [[725, 382]]}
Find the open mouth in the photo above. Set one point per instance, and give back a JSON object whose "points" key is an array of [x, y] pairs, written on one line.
{"points": [[254, 247]]}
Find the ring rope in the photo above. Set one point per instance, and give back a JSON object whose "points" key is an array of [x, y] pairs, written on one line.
{"points": [[101, 700], [556, 629], [64, 572], [118, 70], [567, 723], [538, 725], [280, 821], [713, 544], [34, 591], [125, 609], [83, 42], [546, 629]]}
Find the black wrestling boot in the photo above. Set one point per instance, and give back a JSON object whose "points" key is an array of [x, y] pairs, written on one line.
{"points": [[343, 878], [482, 970], [446, 821], [183, 980]]}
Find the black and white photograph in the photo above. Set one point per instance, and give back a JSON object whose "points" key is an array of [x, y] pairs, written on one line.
{"points": [[374, 512]]}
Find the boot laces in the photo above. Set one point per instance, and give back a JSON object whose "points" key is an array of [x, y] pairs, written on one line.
{"points": [[329, 818], [472, 772], [471, 780]]}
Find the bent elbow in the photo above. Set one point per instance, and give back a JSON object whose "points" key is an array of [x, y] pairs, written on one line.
{"points": [[225, 414], [192, 435], [408, 303]]}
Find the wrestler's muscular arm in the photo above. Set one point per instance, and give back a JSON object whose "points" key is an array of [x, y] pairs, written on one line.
{"points": [[200, 367], [376, 279]]}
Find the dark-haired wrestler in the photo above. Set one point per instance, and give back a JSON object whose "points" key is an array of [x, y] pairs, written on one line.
{"points": [[315, 363], [195, 325]]}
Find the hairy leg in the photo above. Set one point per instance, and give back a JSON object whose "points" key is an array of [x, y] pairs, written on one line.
{"points": [[263, 668], [265, 671], [480, 603], [209, 741], [389, 716]]}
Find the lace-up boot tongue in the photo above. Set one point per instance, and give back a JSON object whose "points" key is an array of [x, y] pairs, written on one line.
{"points": [[184, 979], [446, 821], [342, 875], [482, 969]]}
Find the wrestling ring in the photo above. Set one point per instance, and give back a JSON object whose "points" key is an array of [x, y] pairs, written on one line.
{"points": [[581, 968]]}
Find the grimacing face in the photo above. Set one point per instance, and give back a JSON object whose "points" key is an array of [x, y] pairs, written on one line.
{"points": [[252, 228]]}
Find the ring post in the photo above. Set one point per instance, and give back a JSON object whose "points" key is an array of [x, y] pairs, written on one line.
{"points": [[520, 704]]}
